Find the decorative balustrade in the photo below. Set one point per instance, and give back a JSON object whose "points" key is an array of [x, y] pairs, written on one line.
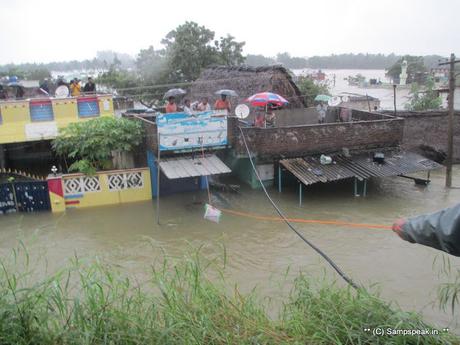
{"points": [[105, 187]]}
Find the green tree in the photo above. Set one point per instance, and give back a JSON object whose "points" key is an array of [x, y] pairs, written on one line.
{"points": [[230, 52], [420, 100], [189, 48], [259, 60], [310, 89], [151, 65], [291, 62], [92, 142], [416, 69]]}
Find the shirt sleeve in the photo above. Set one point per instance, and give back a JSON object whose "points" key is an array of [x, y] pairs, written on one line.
{"points": [[440, 230]]}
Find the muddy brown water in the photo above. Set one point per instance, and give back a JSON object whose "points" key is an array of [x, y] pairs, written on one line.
{"points": [[260, 252]]}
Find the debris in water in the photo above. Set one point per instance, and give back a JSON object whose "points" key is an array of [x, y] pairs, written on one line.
{"points": [[211, 213]]}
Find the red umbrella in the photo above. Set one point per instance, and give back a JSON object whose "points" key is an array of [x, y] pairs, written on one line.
{"points": [[263, 99]]}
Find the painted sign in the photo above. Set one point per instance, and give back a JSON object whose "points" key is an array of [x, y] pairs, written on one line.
{"points": [[179, 131]]}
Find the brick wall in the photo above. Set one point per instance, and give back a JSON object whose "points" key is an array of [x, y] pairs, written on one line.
{"points": [[310, 139], [426, 132]]}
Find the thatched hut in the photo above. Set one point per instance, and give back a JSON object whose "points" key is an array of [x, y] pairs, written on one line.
{"points": [[246, 81]]}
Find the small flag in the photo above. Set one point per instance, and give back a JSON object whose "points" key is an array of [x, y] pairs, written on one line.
{"points": [[211, 213]]}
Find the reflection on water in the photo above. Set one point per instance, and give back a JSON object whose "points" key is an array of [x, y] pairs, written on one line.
{"points": [[260, 251]]}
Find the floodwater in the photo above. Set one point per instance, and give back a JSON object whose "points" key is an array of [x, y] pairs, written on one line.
{"points": [[384, 93], [260, 252]]}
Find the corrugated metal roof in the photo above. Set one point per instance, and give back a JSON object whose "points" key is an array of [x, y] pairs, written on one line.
{"points": [[192, 166], [309, 170]]}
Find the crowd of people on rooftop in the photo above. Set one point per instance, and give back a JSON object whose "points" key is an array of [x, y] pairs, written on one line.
{"points": [[12, 88], [264, 116], [189, 108]]}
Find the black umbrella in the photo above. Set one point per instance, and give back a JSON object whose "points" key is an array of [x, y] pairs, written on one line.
{"points": [[174, 93]]}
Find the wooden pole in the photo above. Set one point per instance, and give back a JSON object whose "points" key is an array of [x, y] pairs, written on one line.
{"points": [[279, 177], [450, 130], [158, 181], [368, 103]]}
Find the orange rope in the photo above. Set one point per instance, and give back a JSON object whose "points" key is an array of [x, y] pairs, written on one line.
{"points": [[307, 221]]}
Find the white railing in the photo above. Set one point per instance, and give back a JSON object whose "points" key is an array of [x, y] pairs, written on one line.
{"points": [[111, 180], [126, 180]]}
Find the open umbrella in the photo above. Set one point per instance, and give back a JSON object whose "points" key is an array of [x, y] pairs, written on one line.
{"points": [[322, 98], [174, 93], [263, 99], [227, 92]]}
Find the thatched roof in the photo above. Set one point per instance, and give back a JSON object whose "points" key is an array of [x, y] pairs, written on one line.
{"points": [[246, 81]]}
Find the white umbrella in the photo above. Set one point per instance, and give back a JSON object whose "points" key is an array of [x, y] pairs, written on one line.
{"points": [[227, 92]]}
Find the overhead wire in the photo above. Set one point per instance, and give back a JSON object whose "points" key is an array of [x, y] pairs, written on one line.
{"points": [[285, 219]]}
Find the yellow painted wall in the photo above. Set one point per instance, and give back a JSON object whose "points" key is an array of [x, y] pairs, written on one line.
{"points": [[15, 115], [109, 197]]}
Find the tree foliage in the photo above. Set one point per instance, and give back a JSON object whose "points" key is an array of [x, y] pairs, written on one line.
{"points": [[259, 60], [416, 69], [92, 142], [191, 47], [229, 51], [353, 61], [427, 99], [117, 79], [151, 65], [291, 62], [310, 89]]}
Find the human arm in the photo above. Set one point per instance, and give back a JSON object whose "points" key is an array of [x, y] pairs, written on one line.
{"points": [[439, 230]]}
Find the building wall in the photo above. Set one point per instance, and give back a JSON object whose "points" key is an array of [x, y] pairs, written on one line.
{"points": [[16, 124], [311, 139], [104, 188], [426, 132]]}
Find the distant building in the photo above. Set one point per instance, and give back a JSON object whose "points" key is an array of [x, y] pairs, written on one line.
{"points": [[358, 101]]}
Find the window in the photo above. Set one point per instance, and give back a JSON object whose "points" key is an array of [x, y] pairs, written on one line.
{"points": [[88, 107], [41, 110]]}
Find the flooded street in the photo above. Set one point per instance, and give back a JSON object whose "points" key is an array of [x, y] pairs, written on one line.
{"points": [[260, 252]]}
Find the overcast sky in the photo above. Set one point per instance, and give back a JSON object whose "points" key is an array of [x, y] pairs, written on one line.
{"points": [[56, 30]]}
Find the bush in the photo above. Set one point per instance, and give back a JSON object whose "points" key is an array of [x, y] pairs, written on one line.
{"points": [[424, 100], [93, 142], [310, 89]]}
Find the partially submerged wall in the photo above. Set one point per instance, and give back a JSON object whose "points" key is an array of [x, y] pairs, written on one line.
{"points": [[319, 138], [426, 132]]}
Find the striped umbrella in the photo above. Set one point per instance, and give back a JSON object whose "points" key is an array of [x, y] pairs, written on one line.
{"points": [[263, 99]]}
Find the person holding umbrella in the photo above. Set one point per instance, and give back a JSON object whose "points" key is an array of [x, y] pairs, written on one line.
{"points": [[223, 103], [321, 108], [170, 95]]}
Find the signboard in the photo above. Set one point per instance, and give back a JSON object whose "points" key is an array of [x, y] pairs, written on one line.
{"points": [[179, 131]]}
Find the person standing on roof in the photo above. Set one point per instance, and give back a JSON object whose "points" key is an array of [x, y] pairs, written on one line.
{"points": [[75, 88], [204, 105], [171, 107], [223, 103], [90, 86], [188, 107], [321, 108]]}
